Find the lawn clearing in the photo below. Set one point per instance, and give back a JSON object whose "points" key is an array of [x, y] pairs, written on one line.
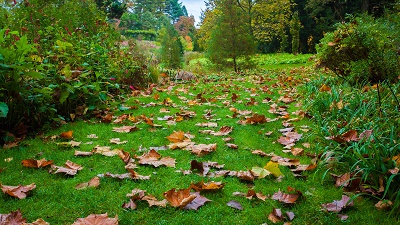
{"points": [[264, 113]]}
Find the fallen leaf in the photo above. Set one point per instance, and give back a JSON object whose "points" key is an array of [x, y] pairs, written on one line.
{"points": [[125, 129], [106, 151], [197, 202], [384, 205], [154, 159], [153, 201], [94, 182], [67, 134], [13, 218], [338, 205], [285, 198], [117, 141], [93, 136], [256, 119], [39, 221], [276, 216], [202, 149], [230, 145], [273, 167], [81, 153], [224, 130], [129, 205], [69, 169], [179, 198], [177, 136], [297, 151], [235, 205], [17, 191], [207, 124], [260, 172], [324, 87], [209, 186], [36, 163], [98, 219]]}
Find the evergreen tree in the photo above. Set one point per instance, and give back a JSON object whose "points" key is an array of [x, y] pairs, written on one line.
{"points": [[229, 39], [171, 50]]}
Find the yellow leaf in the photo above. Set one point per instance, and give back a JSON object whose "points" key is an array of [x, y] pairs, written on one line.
{"points": [[273, 167]]}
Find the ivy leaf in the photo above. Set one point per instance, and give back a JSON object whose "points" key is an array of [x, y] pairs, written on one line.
{"points": [[3, 110]]}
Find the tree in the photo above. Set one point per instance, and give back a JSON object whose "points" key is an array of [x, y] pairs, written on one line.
{"points": [[174, 9], [113, 8], [229, 39], [171, 50], [295, 26]]}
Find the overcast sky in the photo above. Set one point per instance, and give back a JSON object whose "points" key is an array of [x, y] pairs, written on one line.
{"points": [[194, 8]]}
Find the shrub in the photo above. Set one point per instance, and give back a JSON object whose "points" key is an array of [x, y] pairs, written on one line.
{"points": [[363, 50]]}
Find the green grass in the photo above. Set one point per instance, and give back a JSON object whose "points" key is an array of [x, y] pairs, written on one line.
{"points": [[57, 202]]}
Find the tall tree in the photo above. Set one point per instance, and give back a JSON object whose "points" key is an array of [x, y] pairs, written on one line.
{"points": [[171, 50], [174, 9], [229, 39], [113, 8]]}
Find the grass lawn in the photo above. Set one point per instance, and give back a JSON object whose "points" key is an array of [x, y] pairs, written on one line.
{"points": [[274, 94]]}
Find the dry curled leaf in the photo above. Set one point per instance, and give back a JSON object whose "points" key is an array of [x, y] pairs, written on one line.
{"points": [[197, 202], [154, 159], [338, 205], [235, 205], [17, 191], [97, 219], [179, 198], [70, 168], [94, 182], [177, 136], [13, 218], [209, 186], [125, 129], [36, 163], [39, 221], [67, 135], [224, 130], [202, 149]]}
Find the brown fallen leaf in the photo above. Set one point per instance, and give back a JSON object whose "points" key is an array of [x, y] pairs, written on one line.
{"points": [[179, 198], [202, 149], [235, 205], [197, 202], [131, 175], [230, 145], [13, 218], [70, 168], [39, 221], [297, 151], [285, 198], [129, 205], [338, 205], [117, 141], [207, 124], [81, 153], [224, 130], [153, 201], [276, 216], [154, 159], [209, 186], [36, 163], [125, 129], [384, 205], [98, 219], [94, 182], [106, 151], [19, 191]]}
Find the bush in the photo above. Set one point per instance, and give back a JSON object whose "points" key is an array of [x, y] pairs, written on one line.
{"points": [[363, 50]]}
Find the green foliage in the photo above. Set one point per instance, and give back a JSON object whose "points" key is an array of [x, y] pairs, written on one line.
{"points": [[113, 8], [346, 107], [229, 39], [171, 50], [363, 49], [150, 35]]}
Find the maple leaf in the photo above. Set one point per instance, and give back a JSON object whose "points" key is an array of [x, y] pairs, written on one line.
{"points": [[153, 201], [66, 135], [13, 218], [260, 172], [179, 198], [125, 129], [230, 145], [36, 163], [202, 149], [242, 175], [130, 205], [97, 219], [69, 169], [285, 161], [276, 216], [121, 118], [131, 175], [39, 221], [106, 151], [81, 153], [153, 158], [285, 198], [94, 182], [117, 141], [256, 119], [224, 130], [338, 205], [17, 191], [197, 202], [261, 153], [177, 136], [107, 118], [235, 205], [209, 186], [297, 151]]}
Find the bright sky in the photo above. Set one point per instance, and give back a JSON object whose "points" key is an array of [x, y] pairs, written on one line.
{"points": [[194, 8]]}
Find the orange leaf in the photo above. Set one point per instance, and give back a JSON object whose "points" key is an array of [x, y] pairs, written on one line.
{"points": [[179, 198], [100, 219], [36, 163], [177, 136], [17, 191], [210, 186], [66, 135]]}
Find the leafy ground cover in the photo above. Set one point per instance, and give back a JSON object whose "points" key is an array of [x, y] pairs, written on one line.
{"points": [[244, 143]]}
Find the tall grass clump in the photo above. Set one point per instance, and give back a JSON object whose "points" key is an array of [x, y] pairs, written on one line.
{"points": [[338, 107]]}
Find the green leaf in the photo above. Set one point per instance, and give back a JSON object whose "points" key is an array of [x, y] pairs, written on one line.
{"points": [[35, 75], [3, 109], [64, 95]]}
